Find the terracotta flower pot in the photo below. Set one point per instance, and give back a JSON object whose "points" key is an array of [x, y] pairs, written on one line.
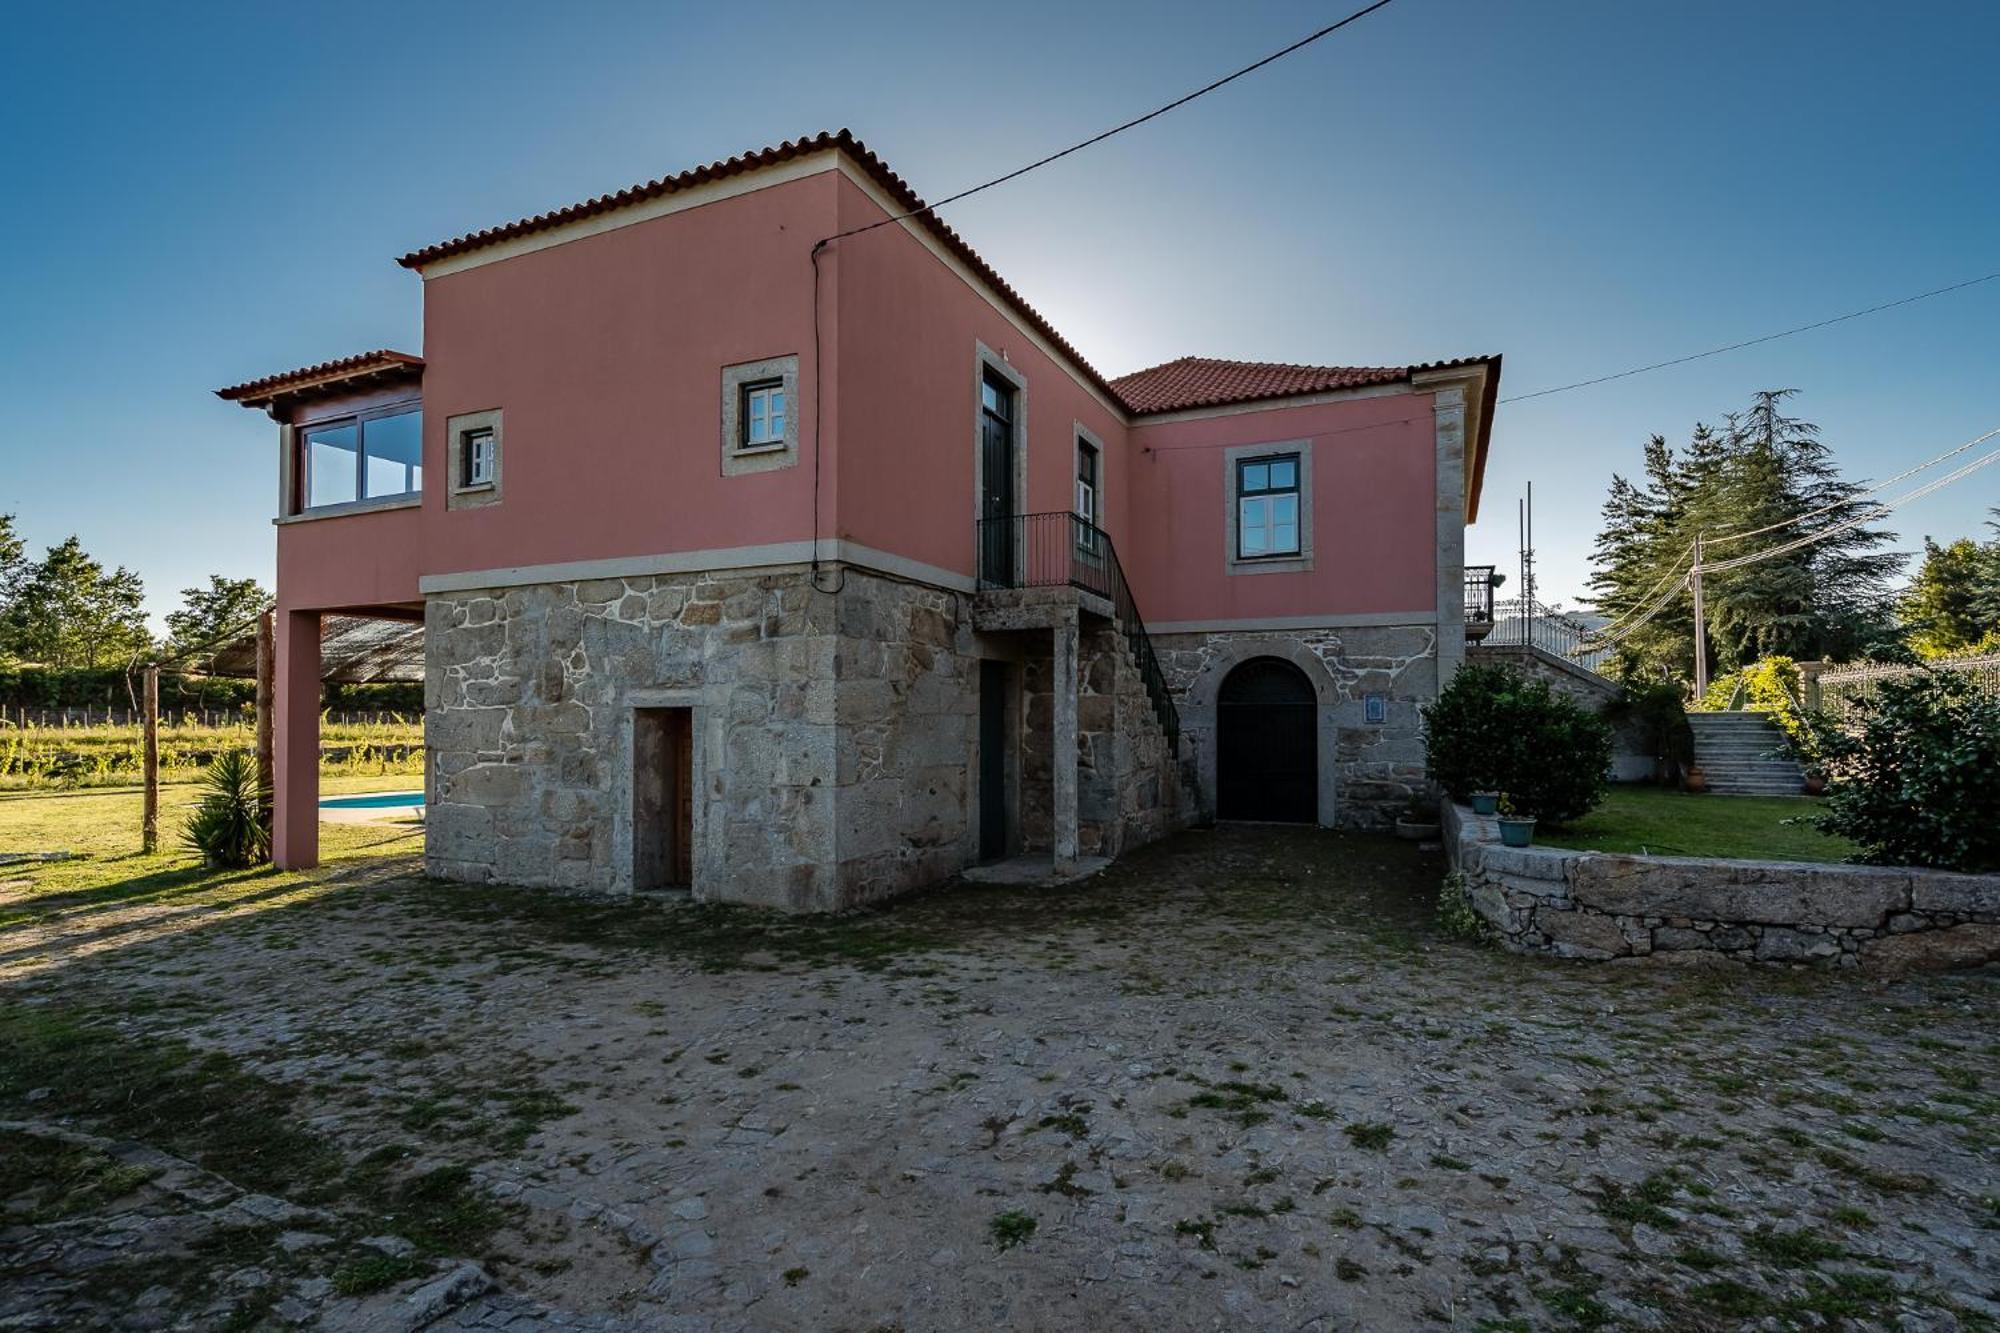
{"points": [[1694, 779]]}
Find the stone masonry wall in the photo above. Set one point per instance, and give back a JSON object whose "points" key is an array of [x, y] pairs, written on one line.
{"points": [[1375, 769], [528, 700], [1687, 910], [834, 734]]}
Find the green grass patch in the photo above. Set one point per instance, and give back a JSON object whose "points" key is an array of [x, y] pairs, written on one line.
{"points": [[1659, 822]]}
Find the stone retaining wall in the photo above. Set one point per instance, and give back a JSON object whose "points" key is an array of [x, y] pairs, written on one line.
{"points": [[1687, 910]]}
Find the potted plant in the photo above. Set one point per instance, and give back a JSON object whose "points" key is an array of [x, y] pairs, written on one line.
{"points": [[1485, 802], [1693, 780], [1418, 822], [1815, 781], [1516, 829]]}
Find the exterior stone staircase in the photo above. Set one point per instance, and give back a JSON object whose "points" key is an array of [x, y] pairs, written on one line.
{"points": [[1744, 754]]}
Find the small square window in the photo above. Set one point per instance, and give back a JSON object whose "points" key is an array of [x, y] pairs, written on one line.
{"points": [[762, 415], [477, 457]]}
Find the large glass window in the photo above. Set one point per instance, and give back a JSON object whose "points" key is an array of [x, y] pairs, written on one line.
{"points": [[1267, 506], [371, 458], [332, 464]]}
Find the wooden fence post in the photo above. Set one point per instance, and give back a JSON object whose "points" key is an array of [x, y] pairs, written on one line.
{"points": [[267, 677], [150, 829]]}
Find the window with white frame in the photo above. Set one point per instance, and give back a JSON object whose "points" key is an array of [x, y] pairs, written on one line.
{"points": [[478, 456], [1267, 506], [763, 415], [1088, 496]]}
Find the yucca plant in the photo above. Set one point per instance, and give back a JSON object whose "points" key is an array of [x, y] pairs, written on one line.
{"points": [[228, 826]]}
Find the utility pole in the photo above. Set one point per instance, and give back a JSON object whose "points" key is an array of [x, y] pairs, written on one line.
{"points": [[1700, 629]]}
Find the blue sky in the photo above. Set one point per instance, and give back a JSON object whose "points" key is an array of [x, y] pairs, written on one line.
{"points": [[200, 194]]}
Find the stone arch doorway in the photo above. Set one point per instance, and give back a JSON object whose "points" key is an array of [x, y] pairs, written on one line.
{"points": [[1267, 744]]}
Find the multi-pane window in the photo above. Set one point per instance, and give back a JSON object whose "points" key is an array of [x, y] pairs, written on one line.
{"points": [[1087, 496], [1267, 506], [763, 414], [369, 458], [478, 454]]}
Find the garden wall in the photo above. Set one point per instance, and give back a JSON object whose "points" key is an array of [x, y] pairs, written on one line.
{"points": [[1632, 753], [1686, 910]]}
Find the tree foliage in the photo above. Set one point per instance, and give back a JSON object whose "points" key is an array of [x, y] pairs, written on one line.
{"points": [[221, 610], [1952, 605], [1914, 783], [1759, 468], [1495, 728], [67, 610]]}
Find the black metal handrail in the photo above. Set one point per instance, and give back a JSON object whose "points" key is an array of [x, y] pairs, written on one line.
{"points": [[1478, 601], [1068, 551]]}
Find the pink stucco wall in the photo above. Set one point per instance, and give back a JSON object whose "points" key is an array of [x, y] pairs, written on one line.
{"points": [[605, 356], [1373, 505], [910, 329]]}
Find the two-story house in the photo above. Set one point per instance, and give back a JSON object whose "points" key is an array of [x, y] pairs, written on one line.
{"points": [[767, 543]]}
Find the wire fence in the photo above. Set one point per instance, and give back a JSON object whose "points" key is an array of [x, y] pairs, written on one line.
{"points": [[84, 716], [1839, 691]]}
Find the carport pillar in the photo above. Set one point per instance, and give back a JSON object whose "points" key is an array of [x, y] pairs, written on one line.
{"points": [[295, 743], [1062, 751]]}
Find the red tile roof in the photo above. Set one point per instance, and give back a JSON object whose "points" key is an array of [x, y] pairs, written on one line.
{"points": [[346, 372], [1204, 381], [898, 190]]}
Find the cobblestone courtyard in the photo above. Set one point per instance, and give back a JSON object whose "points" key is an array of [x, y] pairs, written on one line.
{"points": [[1236, 1081]]}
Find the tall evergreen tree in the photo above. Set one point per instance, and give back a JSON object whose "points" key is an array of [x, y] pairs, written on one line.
{"points": [[67, 611], [1759, 469]]}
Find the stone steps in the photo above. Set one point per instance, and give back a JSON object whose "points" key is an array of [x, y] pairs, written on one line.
{"points": [[1745, 754]]}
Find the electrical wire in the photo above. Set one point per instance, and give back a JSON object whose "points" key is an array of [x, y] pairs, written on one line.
{"points": [[1868, 516], [1859, 495], [1641, 599], [1134, 123], [1016, 174], [1752, 342]]}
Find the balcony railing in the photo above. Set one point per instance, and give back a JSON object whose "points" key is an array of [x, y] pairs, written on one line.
{"points": [[1478, 602], [1067, 551]]}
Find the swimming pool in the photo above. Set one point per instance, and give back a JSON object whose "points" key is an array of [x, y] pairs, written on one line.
{"points": [[381, 800]]}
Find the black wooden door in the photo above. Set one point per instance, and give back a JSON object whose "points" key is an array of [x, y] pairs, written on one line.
{"points": [[996, 473], [1267, 744], [992, 760]]}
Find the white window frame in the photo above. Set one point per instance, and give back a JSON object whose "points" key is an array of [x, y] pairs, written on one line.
{"points": [[466, 492], [756, 431], [743, 453], [1087, 444], [481, 455]]}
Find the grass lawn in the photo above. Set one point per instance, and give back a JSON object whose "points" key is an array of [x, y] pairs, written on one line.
{"points": [[99, 827], [1672, 823]]}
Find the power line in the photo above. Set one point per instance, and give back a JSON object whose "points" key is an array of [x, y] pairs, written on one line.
{"points": [[1016, 174], [1859, 495], [1752, 342], [1675, 568], [1134, 123], [1874, 512]]}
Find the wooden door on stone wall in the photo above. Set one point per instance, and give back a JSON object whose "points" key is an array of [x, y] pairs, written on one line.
{"points": [[662, 798]]}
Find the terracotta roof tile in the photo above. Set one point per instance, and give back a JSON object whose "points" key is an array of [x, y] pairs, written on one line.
{"points": [[326, 375], [898, 189], [1202, 381]]}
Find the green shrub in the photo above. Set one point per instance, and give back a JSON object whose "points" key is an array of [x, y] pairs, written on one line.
{"points": [[1456, 916], [229, 826], [1911, 777], [1494, 728]]}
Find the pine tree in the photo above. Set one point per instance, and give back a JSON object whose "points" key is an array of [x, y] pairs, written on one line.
{"points": [[1760, 469]]}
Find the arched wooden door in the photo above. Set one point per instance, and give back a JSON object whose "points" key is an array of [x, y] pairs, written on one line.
{"points": [[1267, 744]]}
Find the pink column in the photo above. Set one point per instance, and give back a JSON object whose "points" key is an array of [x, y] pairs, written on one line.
{"points": [[295, 819]]}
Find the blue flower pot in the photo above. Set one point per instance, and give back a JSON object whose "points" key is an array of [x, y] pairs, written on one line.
{"points": [[1516, 832], [1485, 802]]}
